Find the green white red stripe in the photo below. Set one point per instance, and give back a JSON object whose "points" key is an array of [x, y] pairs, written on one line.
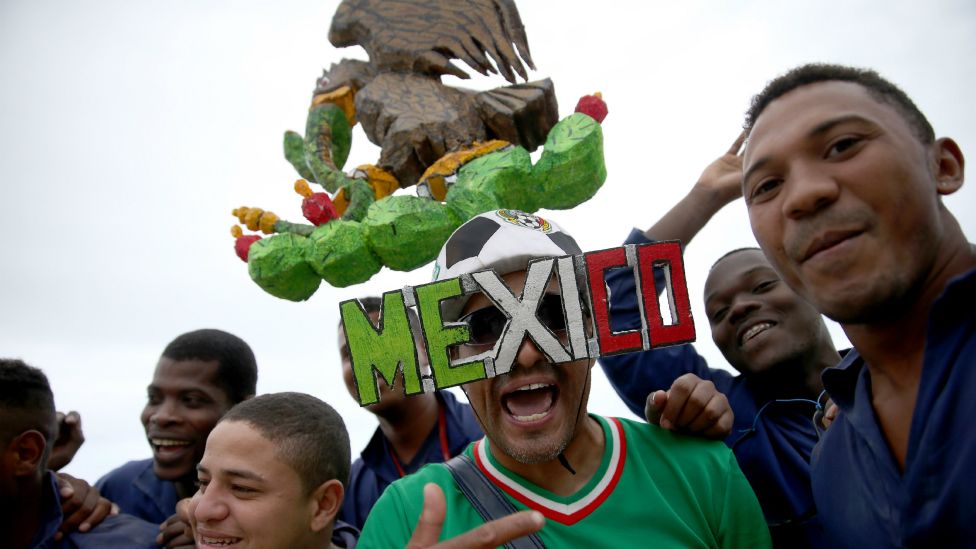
{"points": [[565, 513]]}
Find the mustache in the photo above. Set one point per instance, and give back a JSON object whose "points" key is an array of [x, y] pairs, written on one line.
{"points": [[806, 231]]}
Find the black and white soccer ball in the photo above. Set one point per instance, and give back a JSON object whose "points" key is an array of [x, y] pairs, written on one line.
{"points": [[503, 240]]}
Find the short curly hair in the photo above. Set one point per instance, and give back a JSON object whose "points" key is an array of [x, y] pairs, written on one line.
{"points": [[308, 434], [237, 373], [812, 73], [26, 402]]}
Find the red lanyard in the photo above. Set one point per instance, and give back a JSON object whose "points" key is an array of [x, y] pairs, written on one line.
{"points": [[442, 434]]}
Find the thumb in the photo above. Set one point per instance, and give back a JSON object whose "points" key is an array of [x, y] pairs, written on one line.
{"points": [[431, 520], [656, 402]]}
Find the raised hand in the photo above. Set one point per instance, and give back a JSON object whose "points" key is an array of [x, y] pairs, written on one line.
{"points": [[724, 175], [69, 440], [487, 536], [692, 405]]}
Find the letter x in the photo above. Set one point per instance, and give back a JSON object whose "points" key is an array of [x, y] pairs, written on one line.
{"points": [[521, 313]]}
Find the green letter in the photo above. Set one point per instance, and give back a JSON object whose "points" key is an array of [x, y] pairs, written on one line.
{"points": [[440, 337], [384, 350]]}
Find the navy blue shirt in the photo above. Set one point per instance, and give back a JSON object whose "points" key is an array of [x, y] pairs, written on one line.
{"points": [[375, 469], [773, 447], [136, 489], [120, 531], [863, 497]]}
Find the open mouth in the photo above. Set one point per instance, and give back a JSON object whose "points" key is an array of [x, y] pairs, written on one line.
{"points": [[168, 446], [531, 402], [754, 331], [209, 541]]}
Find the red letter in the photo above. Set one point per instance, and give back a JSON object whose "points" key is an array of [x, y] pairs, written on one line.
{"points": [[597, 264], [668, 256]]}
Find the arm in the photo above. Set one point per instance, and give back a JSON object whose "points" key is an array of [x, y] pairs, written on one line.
{"points": [[719, 184], [635, 376]]}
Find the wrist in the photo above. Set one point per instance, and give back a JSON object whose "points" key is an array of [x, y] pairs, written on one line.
{"points": [[710, 198]]}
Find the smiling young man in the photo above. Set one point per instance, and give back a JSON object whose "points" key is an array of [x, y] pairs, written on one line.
{"points": [[413, 431], [200, 375], [776, 340], [272, 477], [844, 181], [598, 481]]}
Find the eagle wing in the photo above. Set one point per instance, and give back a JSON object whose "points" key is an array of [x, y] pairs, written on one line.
{"points": [[425, 35]]}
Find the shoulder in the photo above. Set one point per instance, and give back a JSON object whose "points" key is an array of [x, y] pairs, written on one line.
{"points": [[394, 515], [118, 531], [655, 447], [125, 474]]}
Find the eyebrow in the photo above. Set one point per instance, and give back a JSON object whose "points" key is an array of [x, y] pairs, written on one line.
{"points": [[746, 274], [817, 131], [233, 473]]}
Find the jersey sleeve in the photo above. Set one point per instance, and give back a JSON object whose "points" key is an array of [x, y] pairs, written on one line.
{"points": [[636, 375], [741, 522]]}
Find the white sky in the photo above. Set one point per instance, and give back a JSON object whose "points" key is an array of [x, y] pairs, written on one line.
{"points": [[130, 129]]}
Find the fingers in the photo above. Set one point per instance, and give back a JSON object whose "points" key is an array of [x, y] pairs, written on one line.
{"points": [[715, 421], [830, 414], [696, 406], [736, 147], [497, 532], [172, 533], [431, 519], [84, 509], [654, 406], [69, 439]]}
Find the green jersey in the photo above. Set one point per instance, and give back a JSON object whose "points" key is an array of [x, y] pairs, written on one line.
{"points": [[653, 489]]}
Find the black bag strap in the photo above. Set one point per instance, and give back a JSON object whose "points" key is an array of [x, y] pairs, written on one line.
{"points": [[486, 498]]}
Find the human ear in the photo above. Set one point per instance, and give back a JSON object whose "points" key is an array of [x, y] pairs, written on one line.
{"points": [[26, 451], [326, 501], [949, 165]]}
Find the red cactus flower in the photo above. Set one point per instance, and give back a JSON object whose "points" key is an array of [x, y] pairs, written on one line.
{"points": [[318, 209], [593, 106], [242, 245]]}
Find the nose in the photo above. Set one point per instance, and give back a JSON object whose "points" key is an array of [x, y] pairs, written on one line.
{"points": [[808, 190], [741, 308], [528, 354], [207, 506], [165, 413]]}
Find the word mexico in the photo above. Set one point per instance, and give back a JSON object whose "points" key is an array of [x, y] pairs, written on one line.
{"points": [[570, 326]]}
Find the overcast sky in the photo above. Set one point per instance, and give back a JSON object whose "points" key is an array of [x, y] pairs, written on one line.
{"points": [[131, 128]]}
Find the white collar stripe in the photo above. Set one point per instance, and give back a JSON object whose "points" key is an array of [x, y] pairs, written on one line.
{"points": [[566, 513]]}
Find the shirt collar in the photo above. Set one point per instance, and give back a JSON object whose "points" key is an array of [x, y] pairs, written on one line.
{"points": [[841, 380]]}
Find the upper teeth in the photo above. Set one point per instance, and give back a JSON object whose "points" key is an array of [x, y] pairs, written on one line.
{"points": [[754, 331], [168, 442], [532, 386], [219, 541]]}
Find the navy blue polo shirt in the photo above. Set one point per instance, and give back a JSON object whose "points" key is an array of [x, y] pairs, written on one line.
{"points": [[114, 531], [863, 497], [374, 470], [773, 447], [136, 489]]}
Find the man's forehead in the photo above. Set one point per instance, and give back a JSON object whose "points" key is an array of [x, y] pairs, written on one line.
{"points": [[734, 268], [805, 107]]}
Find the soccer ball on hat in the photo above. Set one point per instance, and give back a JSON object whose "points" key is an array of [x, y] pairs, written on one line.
{"points": [[503, 240]]}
